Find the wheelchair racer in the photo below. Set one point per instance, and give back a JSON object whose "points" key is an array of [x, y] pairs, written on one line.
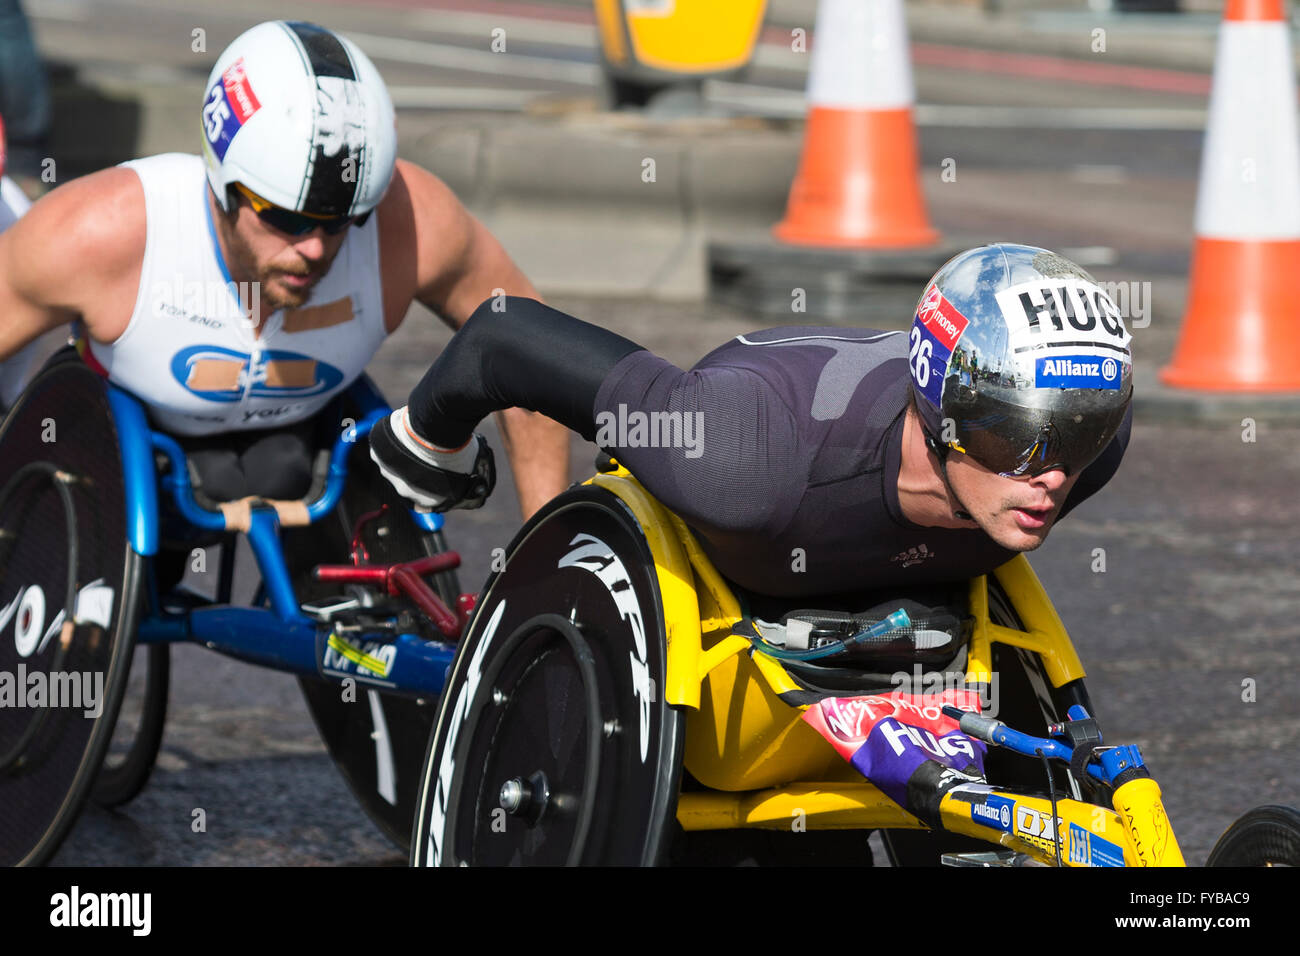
{"points": [[826, 459], [238, 293]]}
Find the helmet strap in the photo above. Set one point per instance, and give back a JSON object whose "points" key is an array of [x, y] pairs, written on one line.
{"points": [[231, 208], [941, 452]]}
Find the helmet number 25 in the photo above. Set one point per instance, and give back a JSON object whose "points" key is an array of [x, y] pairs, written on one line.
{"points": [[919, 357], [215, 113]]}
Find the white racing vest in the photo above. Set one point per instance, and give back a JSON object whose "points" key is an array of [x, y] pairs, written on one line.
{"points": [[189, 352]]}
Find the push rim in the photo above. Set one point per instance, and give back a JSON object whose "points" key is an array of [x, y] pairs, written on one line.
{"points": [[536, 793]]}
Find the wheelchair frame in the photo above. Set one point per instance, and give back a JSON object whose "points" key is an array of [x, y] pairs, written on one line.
{"points": [[281, 637], [729, 748]]}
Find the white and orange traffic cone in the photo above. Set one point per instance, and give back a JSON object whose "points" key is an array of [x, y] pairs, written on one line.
{"points": [[857, 183], [1241, 331]]}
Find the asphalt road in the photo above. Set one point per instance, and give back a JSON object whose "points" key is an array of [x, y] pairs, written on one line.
{"points": [[1199, 598]]}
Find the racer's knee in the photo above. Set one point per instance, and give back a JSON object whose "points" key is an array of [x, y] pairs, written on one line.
{"points": [[275, 464]]}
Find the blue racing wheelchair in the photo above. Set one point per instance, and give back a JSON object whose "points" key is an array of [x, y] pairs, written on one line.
{"points": [[96, 510]]}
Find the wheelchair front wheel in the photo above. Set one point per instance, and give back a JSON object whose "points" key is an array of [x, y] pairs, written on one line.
{"points": [[1265, 836], [376, 739], [553, 743]]}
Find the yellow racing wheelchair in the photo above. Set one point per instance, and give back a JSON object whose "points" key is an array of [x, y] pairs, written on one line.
{"points": [[611, 705]]}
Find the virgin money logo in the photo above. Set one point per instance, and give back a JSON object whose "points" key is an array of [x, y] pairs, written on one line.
{"points": [[941, 318], [238, 92]]}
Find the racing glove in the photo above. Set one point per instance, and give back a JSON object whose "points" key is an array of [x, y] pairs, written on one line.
{"points": [[428, 475]]}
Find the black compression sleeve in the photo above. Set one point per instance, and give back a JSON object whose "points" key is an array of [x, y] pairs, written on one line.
{"points": [[525, 355]]}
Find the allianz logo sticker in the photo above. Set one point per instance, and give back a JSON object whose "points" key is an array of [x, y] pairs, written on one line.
{"points": [[994, 812], [1077, 371], [366, 660]]}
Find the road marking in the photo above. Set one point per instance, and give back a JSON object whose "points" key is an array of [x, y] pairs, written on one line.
{"points": [[70, 10], [529, 29], [779, 103], [1056, 117], [1066, 70], [489, 99], [1099, 173], [476, 61]]}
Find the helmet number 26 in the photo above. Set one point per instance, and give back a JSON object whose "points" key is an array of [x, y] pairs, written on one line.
{"points": [[919, 357]]}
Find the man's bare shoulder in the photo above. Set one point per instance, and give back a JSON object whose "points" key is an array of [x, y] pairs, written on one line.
{"points": [[424, 234], [416, 188], [86, 232], [423, 208]]}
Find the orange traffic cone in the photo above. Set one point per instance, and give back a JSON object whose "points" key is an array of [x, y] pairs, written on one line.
{"points": [[857, 183], [1241, 331]]}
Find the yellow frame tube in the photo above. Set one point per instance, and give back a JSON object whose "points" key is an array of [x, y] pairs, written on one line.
{"points": [[815, 806], [1044, 633]]}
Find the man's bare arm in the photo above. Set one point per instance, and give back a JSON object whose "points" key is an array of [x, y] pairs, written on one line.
{"points": [[459, 264], [69, 253]]}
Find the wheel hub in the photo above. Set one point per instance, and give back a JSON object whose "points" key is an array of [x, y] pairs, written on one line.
{"points": [[527, 799]]}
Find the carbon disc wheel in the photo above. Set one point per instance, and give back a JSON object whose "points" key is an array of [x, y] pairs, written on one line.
{"points": [[537, 736], [553, 745], [1265, 836], [69, 596]]}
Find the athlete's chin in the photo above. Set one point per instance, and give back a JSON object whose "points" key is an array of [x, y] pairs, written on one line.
{"points": [[1027, 544], [1016, 539], [280, 293]]}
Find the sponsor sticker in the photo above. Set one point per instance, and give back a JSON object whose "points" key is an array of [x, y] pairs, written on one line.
{"points": [[229, 104], [1091, 850], [932, 340], [1034, 823], [362, 659], [220, 374], [994, 811], [1077, 371], [592, 554], [941, 318], [887, 738], [1060, 313], [238, 92], [1080, 851], [1104, 853]]}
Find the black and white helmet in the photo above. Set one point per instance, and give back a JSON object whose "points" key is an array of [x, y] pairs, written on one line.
{"points": [[300, 116]]}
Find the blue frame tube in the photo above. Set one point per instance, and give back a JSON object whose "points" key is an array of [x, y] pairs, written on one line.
{"points": [[139, 474], [297, 646], [282, 637], [264, 537]]}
